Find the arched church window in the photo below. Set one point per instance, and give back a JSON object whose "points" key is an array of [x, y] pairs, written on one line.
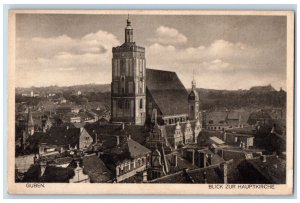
{"points": [[115, 87], [126, 104], [130, 87], [141, 103], [120, 104]]}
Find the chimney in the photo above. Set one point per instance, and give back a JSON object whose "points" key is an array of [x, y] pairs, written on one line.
{"points": [[43, 166], [224, 171], [224, 136], [263, 158], [193, 156], [174, 160], [96, 138], [123, 126], [209, 157], [273, 129], [67, 127], [145, 176], [204, 177], [99, 154], [202, 159], [118, 140], [35, 158]]}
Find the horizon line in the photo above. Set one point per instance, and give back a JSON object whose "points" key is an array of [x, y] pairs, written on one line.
{"points": [[110, 85]]}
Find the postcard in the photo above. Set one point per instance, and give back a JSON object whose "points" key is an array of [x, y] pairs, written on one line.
{"points": [[151, 102]]}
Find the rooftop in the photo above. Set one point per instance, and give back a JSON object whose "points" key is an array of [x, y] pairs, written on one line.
{"points": [[95, 168], [165, 87]]}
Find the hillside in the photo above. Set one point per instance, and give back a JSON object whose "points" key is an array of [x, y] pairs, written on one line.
{"points": [[255, 97], [60, 89]]}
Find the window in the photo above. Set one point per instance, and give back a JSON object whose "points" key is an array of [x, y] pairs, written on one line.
{"points": [[122, 67], [131, 165], [126, 104], [141, 103], [120, 104], [141, 86], [115, 87], [130, 87], [141, 67], [192, 108]]}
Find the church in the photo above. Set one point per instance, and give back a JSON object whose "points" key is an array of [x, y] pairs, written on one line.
{"points": [[137, 92]]}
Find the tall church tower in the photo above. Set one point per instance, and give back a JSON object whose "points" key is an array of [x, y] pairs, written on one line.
{"points": [[128, 88], [193, 101]]}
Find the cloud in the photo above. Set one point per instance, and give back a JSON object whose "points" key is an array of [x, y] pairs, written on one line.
{"points": [[216, 65], [221, 64], [219, 54], [84, 58], [168, 36]]}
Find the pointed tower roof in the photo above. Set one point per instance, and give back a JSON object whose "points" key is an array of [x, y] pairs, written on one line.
{"points": [[29, 118], [193, 94], [128, 23]]}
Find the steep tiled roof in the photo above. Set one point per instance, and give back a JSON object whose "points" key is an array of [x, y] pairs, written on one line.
{"points": [[52, 174], [201, 175], [259, 115], [61, 136], [94, 167], [181, 162], [167, 91], [127, 149], [216, 118], [35, 138], [108, 132], [274, 169], [136, 149]]}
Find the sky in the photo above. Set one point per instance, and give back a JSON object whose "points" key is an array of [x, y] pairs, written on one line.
{"points": [[224, 52]]}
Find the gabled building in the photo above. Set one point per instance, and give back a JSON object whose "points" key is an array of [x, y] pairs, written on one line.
{"points": [[173, 136], [126, 158], [60, 139], [264, 170], [42, 172], [212, 174], [223, 120]]}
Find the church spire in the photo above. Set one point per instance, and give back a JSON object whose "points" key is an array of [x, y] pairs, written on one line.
{"points": [[128, 21], [128, 31], [29, 118], [193, 82], [30, 123]]}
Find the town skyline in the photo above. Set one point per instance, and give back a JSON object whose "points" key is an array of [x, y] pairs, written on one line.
{"points": [[222, 51]]}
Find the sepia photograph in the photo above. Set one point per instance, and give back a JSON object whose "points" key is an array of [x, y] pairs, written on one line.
{"points": [[151, 102]]}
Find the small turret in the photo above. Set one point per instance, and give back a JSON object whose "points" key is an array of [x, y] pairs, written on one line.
{"points": [[128, 32], [193, 100]]}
